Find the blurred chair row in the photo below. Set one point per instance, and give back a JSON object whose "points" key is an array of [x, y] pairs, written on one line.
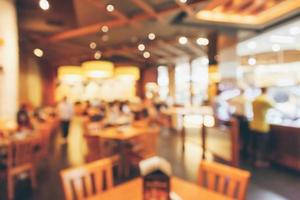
{"points": [[23, 155], [94, 178]]}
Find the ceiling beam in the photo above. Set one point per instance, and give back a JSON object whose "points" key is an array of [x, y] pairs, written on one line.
{"points": [[170, 48], [195, 49], [94, 28], [149, 10], [185, 7], [116, 13]]}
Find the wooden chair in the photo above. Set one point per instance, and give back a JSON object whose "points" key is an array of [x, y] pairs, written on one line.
{"points": [[142, 147], [19, 160], [224, 179], [88, 180], [99, 149]]}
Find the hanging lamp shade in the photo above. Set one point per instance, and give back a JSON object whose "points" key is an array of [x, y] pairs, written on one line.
{"points": [[98, 69], [70, 73], [128, 72]]}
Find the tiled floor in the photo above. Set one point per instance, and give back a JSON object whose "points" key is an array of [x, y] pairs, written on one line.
{"points": [[270, 184]]}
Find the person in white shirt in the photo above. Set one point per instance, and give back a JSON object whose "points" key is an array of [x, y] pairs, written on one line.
{"points": [[65, 113]]}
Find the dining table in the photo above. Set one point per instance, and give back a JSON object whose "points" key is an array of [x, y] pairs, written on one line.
{"points": [[122, 135], [183, 190]]}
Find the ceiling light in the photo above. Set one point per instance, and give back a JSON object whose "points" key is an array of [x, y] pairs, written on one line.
{"points": [[141, 47], [282, 39], [202, 41], [205, 61], [110, 8], [146, 54], [104, 29], [38, 52], [251, 45], [44, 4], [276, 47], [183, 40], [182, 1], [97, 55], [252, 61], [151, 36], [295, 30], [93, 45]]}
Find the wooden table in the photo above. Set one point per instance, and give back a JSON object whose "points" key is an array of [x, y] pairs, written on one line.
{"points": [[133, 190], [122, 135]]}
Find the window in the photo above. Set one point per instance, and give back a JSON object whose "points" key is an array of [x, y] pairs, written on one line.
{"points": [[163, 82], [182, 83]]}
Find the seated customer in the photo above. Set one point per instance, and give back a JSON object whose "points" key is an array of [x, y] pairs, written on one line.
{"points": [[23, 118]]}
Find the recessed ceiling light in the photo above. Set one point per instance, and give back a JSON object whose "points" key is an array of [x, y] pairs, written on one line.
{"points": [[205, 61], [182, 1], [44, 4], [38, 52], [141, 47], [151, 36], [93, 45], [146, 54], [183, 40], [97, 55], [251, 45], [202, 41], [276, 47], [295, 30], [251, 61], [104, 29], [110, 8]]}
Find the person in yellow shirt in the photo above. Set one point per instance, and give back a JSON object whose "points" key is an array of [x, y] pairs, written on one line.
{"points": [[260, 129]]}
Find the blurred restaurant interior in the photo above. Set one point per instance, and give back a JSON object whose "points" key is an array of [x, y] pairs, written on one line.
{"points": [[150, 99]]}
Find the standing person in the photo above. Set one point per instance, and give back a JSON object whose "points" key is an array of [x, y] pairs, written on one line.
{"points": [[242, 111], [23, 118], [65, 113], [260, 129]]}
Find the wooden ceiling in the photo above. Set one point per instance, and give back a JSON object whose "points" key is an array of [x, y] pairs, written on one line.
{"points": [[66, 30], [245, 13]]}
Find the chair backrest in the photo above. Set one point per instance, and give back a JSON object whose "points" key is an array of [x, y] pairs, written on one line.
{"points": [[20, 152], [94, 147], [91, 179], [224, 179]]}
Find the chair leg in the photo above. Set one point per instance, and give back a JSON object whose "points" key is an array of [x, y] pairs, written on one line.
{"points": [[33, 178], [10, 187]]}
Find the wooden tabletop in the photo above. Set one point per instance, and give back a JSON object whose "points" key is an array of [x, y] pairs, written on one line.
{"points": [[132, 190], [124, 133]]}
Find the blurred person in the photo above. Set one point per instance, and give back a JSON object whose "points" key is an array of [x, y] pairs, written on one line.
{"points": [[220, 107], [242, 111], [65, 113], [260, 128], [23, 118]]}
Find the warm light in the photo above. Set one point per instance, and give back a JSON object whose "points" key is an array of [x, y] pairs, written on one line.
{"points": [[69, 74], [131, 72], [209, 121], [146, 54], [110, 8], [276, 47], [44, 4], [183, 40], [202, 41], [38, 52], [98, 69], [151, 36], [104, 29], [141, 47], [251, 61], [183, 1], [97, 55], [93, 45]]}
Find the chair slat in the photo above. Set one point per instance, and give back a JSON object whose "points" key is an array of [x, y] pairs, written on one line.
{"points": [[78, 188]]}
